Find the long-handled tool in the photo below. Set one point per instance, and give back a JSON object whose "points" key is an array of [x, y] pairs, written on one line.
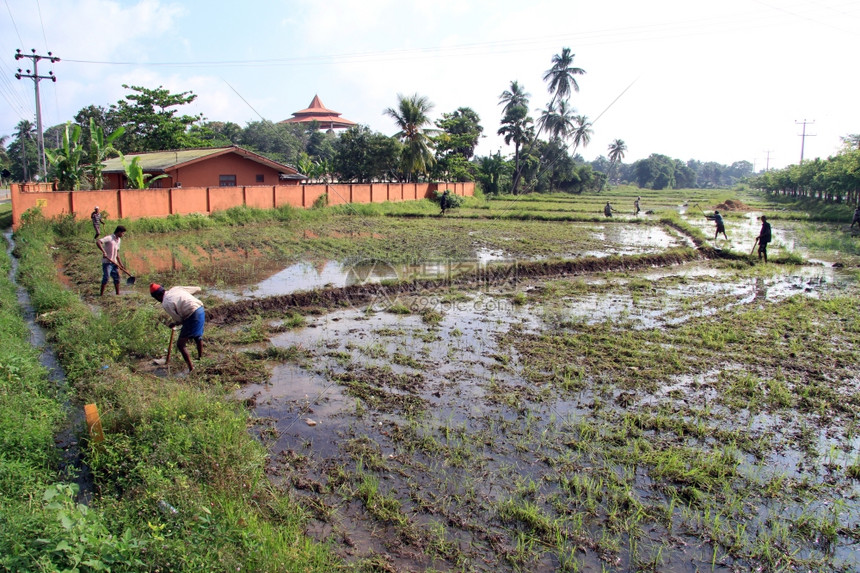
{"points": [[131, 278], [699, 208], [754, 244], [169, 349]]}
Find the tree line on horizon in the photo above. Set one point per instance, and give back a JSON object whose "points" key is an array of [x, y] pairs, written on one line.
{"points": [[545, 151]]}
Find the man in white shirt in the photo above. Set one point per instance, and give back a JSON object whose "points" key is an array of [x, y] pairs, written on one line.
{"points": [[109, 246], [186, 310]]}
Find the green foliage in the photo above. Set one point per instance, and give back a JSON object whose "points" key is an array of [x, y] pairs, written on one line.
{"points": [[151, 122], [411, 116], [135, 176], [66, 162], [363, 156], [101, 147], [836, 179]]}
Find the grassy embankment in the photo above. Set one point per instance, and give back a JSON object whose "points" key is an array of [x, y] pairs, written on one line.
{"points": [[167, 440]]}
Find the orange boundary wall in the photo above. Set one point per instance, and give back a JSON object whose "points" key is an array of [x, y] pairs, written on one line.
{"points": [[138, 203]]}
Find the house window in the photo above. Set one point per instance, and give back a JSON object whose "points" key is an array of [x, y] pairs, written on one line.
{"points": [[227, 180], [259, 178]]}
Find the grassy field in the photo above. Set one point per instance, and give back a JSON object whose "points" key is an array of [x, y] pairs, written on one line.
{"points": [[616, 394]]}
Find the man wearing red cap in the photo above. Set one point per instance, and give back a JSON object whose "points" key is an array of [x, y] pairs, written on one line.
{"points": [[186, 310]]}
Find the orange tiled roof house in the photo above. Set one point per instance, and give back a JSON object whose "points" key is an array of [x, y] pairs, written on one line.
{"points": [[207, 167]]}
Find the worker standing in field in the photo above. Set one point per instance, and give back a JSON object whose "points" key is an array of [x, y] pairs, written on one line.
{"points": [[764, 237], [721, 227], [856, 217], [186, 310], [96, 218], [607, 210], [636, 205], [109, 246]]}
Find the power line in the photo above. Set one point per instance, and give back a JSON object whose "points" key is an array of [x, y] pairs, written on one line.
{"points": [[14, 25]]}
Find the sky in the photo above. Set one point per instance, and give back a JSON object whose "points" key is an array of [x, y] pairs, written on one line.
{"points": [[711, 80]]}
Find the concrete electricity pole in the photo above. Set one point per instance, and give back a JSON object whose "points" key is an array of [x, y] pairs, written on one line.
{"points": [[36, 78], [804, 136]]}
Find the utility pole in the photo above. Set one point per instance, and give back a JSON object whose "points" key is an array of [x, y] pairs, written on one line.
{"points": [[804, 136], [36, 78], [767, 161]]}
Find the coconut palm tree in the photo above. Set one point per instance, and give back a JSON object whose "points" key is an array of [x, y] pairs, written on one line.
{"points": [[24, 132], [411, 116], [582, 133], [617, 149], [514, 97], [562, 76], [558, 122]]}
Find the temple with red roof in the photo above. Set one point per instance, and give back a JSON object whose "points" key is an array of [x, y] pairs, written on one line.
{"points": [[328, 119]]}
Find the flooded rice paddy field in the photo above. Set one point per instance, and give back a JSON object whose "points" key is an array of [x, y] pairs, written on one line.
{"points": [[694, 417], [597, 424], [686, 417]]}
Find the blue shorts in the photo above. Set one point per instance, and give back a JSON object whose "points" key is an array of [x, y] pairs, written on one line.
{"points": [[110, 269], [192, 327]]}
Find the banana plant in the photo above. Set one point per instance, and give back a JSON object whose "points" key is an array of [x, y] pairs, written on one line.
{"points": [[101, 147], [137, 179], [66, 161]]}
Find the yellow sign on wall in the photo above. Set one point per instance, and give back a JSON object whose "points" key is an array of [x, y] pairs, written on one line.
{"points": [[41, 202]]}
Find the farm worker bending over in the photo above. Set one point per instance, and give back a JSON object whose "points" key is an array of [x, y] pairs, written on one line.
{"points": [[186, 310], [109, 246], [607, 210], [721, 227]]}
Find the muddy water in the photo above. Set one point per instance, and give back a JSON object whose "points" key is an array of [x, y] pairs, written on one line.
{"points": [[67, 439], [305, 276], [467, 381]]}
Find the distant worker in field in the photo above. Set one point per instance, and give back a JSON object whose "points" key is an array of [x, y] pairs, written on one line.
{"points": [[96, 218], [111, 263], [445, 201], [721, 227], [764, 237], [636, 204], [607, 210], [856, 217], [186, 310]]}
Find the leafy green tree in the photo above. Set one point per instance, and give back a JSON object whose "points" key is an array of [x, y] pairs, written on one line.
{"points": [[461, 131], [320, 145], [278, 141], [850, 142], [151, 120], [411, 116], [493, 172], [363, 156], [67, 162], [455, 144], [216, 133], [5, 162]]}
